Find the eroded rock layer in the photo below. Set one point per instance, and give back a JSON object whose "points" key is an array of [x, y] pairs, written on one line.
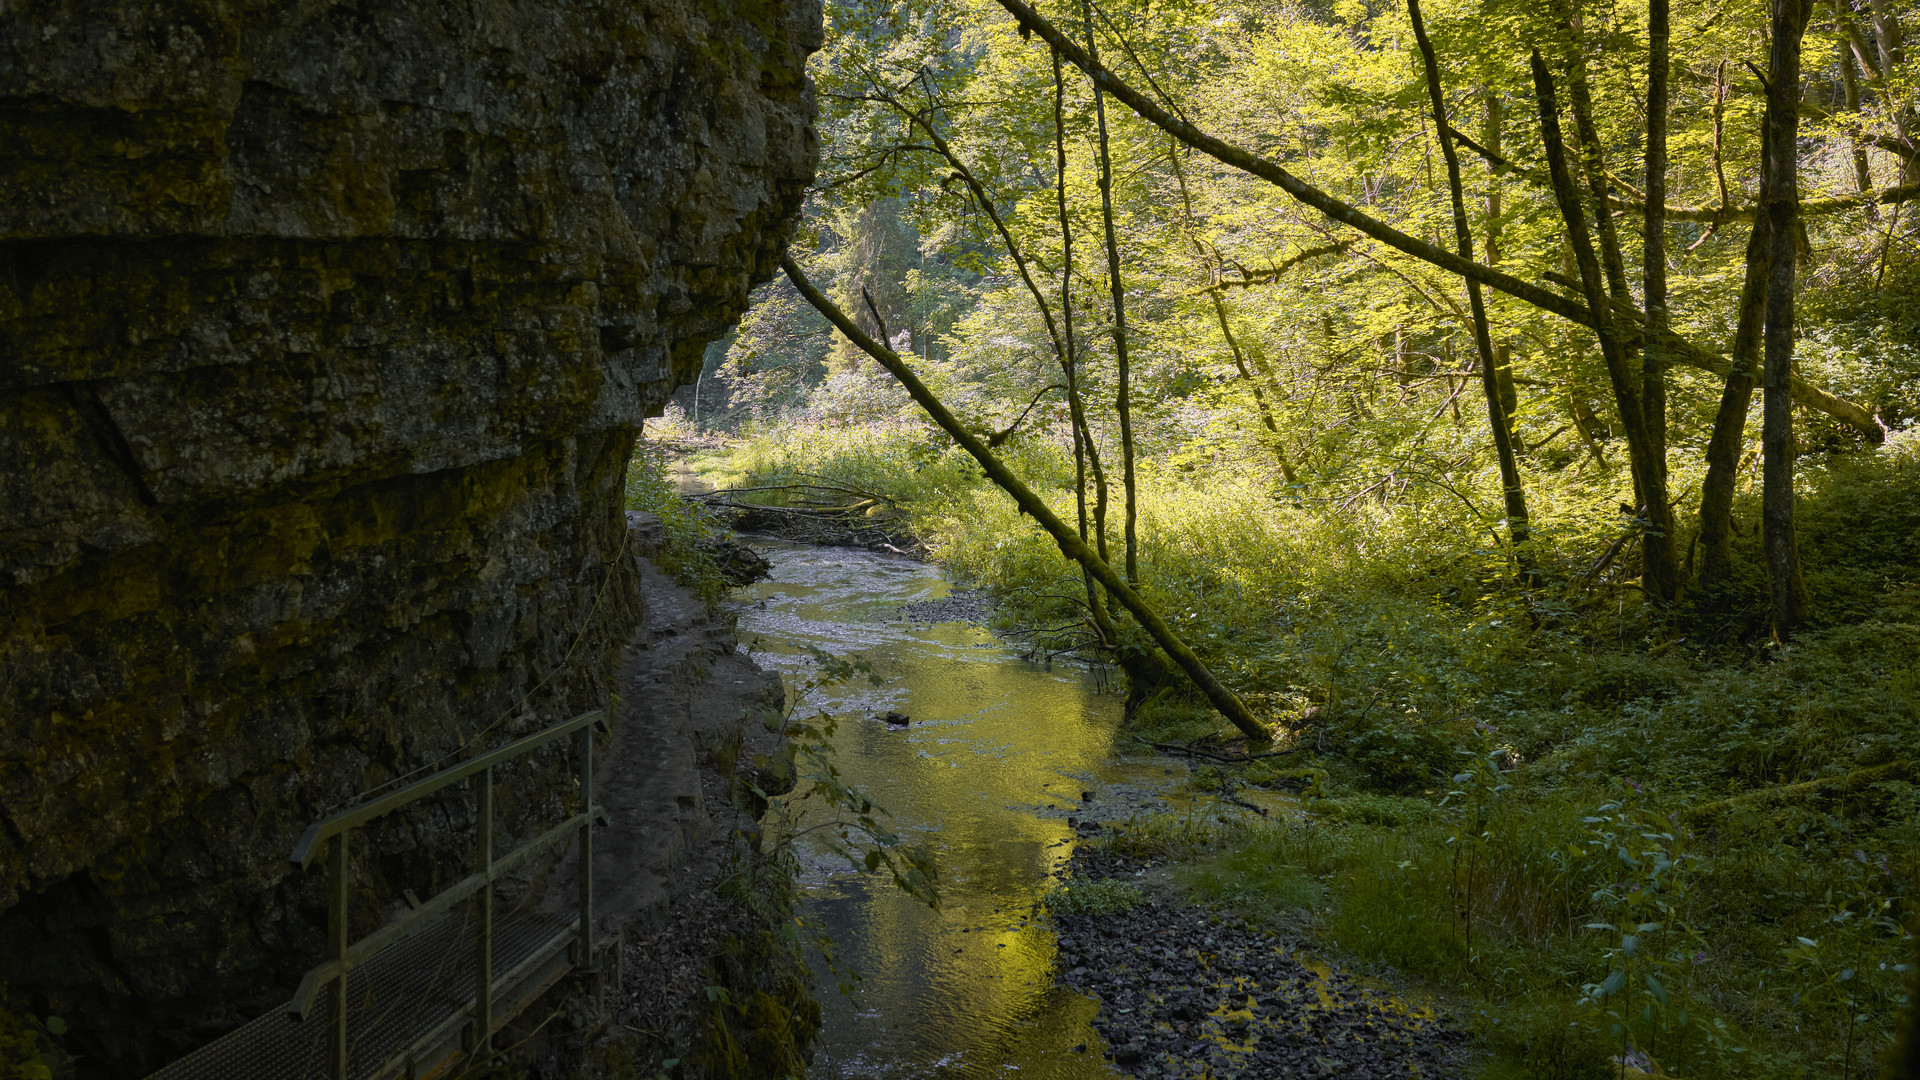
{"points": [[325, 329]]}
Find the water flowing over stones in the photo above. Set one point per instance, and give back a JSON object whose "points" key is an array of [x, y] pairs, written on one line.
{"points": [[324, 334]]}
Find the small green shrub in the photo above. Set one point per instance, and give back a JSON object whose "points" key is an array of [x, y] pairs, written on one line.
{"points": [[1399, 756], [1174, 836], [1173, 714], [1543, 1037], [27, 1047], [1251, 882], [1100, 896], [1306, 779], [650, 490]]}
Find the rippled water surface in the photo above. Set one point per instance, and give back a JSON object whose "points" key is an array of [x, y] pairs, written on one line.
{"points": [[997, 755]]}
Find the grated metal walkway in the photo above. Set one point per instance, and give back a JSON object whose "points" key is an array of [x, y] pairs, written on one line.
{"points": [[409, 1008]]}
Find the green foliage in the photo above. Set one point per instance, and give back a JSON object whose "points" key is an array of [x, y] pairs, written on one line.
{"points": [[824, 806], [1174, 714], [1102, 896], [650, 489], [28, 1047], [1399, 756], [1252, 882], [1176, 836], [819, 804]]}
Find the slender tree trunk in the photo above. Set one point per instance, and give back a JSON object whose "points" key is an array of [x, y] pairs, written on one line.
{"points": [[1719, 133], [1590, 428], [1850, 90], [1646, 447], [1593, 159], [1730, 422], [1514, 497], [1069, 351], [1788, 589], [1226, 331], [1086, 456], [1893, 53], [1492, 135], [1654, 257], [1070, 543], [1662, 571], [1259, 398], [1886, 31], [1123, 395]]}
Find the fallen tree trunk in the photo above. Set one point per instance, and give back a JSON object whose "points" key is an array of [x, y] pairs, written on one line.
{"points": [[858, 509], [1071, 545], [1827, 787]]}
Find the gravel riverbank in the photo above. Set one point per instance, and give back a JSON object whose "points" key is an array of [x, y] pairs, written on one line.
{"points": [[1186, 992]]}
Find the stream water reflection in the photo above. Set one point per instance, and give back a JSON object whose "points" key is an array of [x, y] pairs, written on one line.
{"points": [[997, 755]]}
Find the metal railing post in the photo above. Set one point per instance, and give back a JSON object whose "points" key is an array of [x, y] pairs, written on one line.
{"points": [[329, 837], [586, 847], [483, 900], [337, 944]]}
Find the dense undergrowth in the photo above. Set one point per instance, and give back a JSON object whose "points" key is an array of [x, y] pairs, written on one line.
{"points": [[1610, 834]]}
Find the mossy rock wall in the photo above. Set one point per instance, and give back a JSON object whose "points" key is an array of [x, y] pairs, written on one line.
{"points": [[325, 329]]}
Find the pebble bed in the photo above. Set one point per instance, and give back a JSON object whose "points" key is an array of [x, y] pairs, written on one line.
{"points": [[1186, 992], [961, 605]]}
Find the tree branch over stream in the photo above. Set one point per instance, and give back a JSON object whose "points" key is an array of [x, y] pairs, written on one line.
{"points": [[1629, 324], [1070, 542]]}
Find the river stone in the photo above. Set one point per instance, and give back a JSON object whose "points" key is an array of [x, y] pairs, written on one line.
{"points": [[325, 332]]}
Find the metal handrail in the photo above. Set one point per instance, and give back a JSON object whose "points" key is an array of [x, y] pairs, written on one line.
{"points": [[308, 848], [421, 918], [347, 954]]}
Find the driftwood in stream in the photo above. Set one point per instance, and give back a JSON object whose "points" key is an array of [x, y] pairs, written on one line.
{"points": [[816, 510]]}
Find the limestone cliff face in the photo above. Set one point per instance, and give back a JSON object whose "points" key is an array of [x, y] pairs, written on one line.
{"points": [[324, 332]]}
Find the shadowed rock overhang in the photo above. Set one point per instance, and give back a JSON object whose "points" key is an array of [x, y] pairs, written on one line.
{"points": [[325, 330]]}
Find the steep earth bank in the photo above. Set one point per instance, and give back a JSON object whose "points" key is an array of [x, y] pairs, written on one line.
{"points": [[324, 334]]}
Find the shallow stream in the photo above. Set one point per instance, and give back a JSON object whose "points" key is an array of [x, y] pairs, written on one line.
{"points": [[996, 757]]}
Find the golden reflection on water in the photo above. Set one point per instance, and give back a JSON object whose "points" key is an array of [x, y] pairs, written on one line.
{"points": [[994, 741]]}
